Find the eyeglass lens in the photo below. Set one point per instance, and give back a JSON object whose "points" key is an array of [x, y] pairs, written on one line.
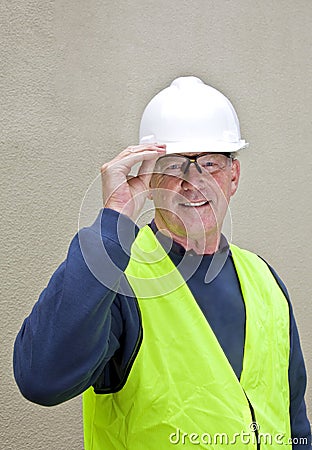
{"points": [[179, 165]]}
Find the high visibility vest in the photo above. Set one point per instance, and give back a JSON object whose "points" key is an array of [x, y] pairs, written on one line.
{"points": [[181, 390]]}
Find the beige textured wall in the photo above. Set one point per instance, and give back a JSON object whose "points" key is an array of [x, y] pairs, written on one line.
{"points": [[75, 77]]}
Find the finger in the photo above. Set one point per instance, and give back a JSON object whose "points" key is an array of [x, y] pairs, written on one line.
{"points": [[146, 171], [127, 161], [141, 149], [132, 155], [147, 168]]}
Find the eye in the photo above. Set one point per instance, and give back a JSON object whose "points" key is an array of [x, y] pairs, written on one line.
{"points": [[208, 164], [174, 166], [170, 165], [212, 163]]}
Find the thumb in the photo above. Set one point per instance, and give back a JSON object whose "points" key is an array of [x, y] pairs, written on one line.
{"points": [[146, 171]]}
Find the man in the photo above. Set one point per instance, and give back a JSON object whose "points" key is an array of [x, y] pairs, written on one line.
{"points": [[174, 336]]}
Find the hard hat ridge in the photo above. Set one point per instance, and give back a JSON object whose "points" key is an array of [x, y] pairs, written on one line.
{"points": [[190, 116]]}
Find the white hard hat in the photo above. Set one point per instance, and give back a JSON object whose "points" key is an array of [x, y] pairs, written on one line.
{"points": [[189, 116]]}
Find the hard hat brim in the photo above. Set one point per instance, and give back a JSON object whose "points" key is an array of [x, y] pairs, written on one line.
{"points": [[205, 147], [199, 146]]}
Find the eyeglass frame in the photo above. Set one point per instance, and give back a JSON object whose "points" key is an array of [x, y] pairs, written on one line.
{"points": [[193, 160]]}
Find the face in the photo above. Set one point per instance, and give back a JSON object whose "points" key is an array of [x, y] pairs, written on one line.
{"points": [[194, 205]]}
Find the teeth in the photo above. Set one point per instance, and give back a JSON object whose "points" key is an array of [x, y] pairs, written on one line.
{"points": [[195, 203]]}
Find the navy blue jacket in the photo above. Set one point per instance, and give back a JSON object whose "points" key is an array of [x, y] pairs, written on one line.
{"points": [[85, 328]]}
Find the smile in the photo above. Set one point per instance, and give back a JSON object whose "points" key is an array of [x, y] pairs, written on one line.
{"points": [[195, 204]]}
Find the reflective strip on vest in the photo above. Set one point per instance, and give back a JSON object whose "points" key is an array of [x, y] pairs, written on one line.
{"points": [[181, 391]]}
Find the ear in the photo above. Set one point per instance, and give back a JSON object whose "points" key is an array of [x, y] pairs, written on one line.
{"points": [[150, 189], [235, 174]]}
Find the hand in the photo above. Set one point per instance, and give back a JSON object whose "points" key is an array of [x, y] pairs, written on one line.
{"points": [[127, 194]]}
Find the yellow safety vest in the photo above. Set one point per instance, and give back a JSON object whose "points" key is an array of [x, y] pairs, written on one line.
{"points": [[182, 391]]}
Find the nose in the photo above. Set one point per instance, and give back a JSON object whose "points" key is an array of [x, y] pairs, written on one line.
{"points": [[193, 178]]}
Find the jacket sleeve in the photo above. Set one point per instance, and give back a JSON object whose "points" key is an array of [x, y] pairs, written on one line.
{"points": [[74, 328], [300, 425]]}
